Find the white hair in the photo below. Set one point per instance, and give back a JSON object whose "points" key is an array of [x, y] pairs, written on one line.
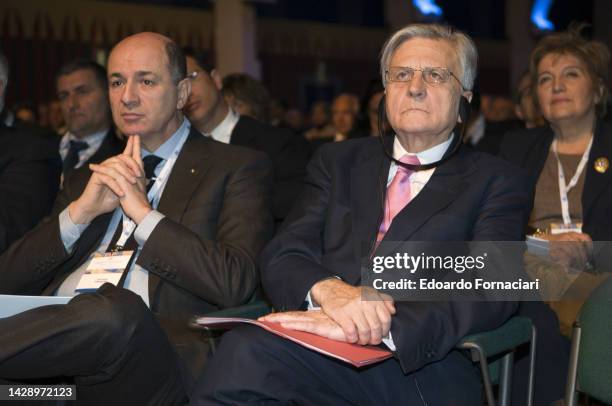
{"points": [[463, 44]]}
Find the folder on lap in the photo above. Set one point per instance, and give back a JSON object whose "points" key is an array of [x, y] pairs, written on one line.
{"points": [[357, 355]]}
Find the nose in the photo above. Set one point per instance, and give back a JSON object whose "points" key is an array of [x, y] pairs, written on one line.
{"points": [[73, 102], [129, 97], [558, 85], [416, 87]]}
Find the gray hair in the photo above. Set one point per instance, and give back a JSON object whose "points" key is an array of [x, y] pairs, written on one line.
{"points": [[463, 44], [4, 74], [4, 68]]}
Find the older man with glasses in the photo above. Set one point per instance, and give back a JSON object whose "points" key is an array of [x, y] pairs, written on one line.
{"points": [[428, 187]]}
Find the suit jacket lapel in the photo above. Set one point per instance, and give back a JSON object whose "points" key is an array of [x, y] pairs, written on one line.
{"points": [[367, 190], [188, 171], [595, 182]]}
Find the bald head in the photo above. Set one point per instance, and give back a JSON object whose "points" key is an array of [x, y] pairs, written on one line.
{"points": [[175, 58], [147, 86]]}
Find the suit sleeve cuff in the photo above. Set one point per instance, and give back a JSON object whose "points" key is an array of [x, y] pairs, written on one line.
{"points": [[146, 227], [69, 231]]}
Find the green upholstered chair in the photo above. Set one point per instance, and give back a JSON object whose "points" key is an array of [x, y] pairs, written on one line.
{"points": [[590, 369], [494, 351]]}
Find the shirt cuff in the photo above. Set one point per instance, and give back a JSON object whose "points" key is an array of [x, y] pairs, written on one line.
{"points": [[69, 232], [146, 227], [311, 306], [388, 341]]}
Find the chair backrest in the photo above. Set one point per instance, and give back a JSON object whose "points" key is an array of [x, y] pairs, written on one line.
{"points": [[595, 355]]}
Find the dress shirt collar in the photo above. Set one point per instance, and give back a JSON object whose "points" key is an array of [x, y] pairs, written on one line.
{"points": [[93, 140], [223, 132], [428, 156], [164, 151]]}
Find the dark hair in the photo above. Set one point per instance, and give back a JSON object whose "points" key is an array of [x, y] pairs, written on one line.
{"points": [[200, 58], [250, 91], [177, 64], [594, 54], [84, 64]]}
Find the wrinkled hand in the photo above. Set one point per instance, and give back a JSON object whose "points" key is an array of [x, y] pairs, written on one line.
{"points": [[101, 194], [312, 321], [124, 175], [572, 250], [363, 313]]}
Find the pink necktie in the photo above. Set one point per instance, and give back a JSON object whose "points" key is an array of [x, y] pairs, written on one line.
{"points": [[398, 194]]}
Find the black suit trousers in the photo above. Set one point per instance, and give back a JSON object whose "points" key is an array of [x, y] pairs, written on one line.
{"points": [[253, 366], [108, 341]]}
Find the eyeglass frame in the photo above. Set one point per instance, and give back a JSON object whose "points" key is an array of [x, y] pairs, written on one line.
{"points": [[422, 70]]}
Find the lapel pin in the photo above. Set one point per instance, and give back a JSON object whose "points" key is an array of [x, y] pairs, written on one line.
{"points": [[601, 164]]}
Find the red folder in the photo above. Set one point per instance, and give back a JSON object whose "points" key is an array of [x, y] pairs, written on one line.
{"points": [[357, 355]]}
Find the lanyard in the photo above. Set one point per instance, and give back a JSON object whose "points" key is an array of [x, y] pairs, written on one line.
{"points": [[565, 188], [155, 191]]}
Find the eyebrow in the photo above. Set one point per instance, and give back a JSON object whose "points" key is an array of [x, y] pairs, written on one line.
{"points": [[567, 67], [139, 73]]}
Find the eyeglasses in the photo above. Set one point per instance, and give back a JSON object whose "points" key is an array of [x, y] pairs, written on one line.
{"points": [[432, 76]]}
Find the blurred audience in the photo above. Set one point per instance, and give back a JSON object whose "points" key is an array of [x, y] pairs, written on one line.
{"points": [[211, 116], [25, 112], [320, 121], [525, 106], [82, 91], [29, 172], [294, 120], [345, 111], [247, 96], [55, 117]]}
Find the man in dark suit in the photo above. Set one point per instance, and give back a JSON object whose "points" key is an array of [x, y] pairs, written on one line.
{"points": [[29, 172], [211, 116], [316, 258], [82, 90], [196, 231]]}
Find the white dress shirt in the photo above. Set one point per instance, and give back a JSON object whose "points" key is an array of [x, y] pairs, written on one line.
{"points": [[223, 132], [93, 143]]}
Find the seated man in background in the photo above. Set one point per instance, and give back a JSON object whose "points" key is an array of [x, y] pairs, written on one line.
{"points": [[82, 91], [316, 257], [188, 242], [29, 172], [211, 116]]}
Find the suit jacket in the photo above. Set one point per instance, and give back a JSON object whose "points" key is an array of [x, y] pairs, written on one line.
{"points": [[200, 257], [30, 170], [288, 152], [529, 149], [473, 196]]}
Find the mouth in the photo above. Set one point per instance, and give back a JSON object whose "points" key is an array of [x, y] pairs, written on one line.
{"points": [[560, 100], [131, 117], [191, 106]]}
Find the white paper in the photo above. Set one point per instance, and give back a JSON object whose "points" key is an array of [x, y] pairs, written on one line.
{"points": [[14, 304], [538, 246]]}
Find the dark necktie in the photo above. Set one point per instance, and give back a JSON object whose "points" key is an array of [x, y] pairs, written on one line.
{"points": [[72, 157], [150, 162]]}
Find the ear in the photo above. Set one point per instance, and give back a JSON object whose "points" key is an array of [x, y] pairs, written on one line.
{"points": [[216, 77], [184, 90], [468, 95]]}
